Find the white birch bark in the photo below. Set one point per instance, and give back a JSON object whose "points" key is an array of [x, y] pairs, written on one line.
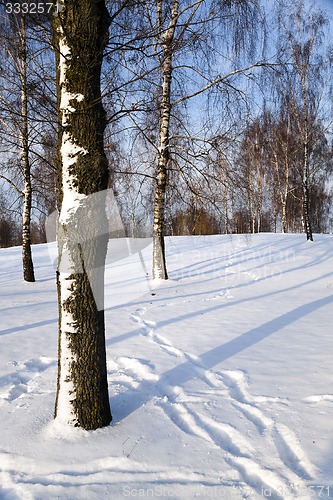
{"points": [[82, 393], [167, 38], [67, 267], [28, 267]]}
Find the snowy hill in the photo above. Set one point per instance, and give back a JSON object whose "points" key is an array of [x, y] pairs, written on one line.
{"points": [[221, 379]]}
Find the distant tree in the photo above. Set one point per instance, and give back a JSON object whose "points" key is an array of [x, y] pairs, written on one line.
{"points": [[9, 230], [270, 165], [178, 60], [194, 221], [253, 166], [16, 53], [27, 116], [308, 83]]}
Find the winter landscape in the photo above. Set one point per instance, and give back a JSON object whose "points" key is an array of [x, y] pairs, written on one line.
{"points": [[166, 249], [220, 378]]}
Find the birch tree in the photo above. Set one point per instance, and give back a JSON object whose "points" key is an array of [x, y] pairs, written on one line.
{"points": [[16, 122], [309, 75], [179, 27], [81, 34], [28, 268], [184, 63]]}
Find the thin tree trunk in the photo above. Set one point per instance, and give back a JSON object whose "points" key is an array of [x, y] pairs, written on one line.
{"points": [[250, 202], [28, 267], [284, 192], [81, 32], [283, 205], [286, 181], [226, 214], [132, 209], [274, 212], [225, 198], [167, 37], [305, 184], [159, 260], [305, 180], [284, 196], [284, 217], [259, 198]]}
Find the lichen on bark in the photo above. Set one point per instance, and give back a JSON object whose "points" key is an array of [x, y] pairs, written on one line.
{"points": [[80, 33]]}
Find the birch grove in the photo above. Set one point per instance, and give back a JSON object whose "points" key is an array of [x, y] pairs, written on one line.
{"points": [[174, 105]]}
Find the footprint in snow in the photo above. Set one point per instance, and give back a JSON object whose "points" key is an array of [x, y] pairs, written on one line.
{"points": [[18, 383], [148, 330], [141, 368], [239, 451], [320, 398], [291, 452], [223, 294]]}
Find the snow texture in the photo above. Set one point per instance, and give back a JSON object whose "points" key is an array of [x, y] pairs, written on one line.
{"points": [[220, 379], [70, 151], [66, 394]]}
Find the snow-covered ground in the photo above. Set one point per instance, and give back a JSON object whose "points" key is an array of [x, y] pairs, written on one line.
{"points": [[220, 379]]}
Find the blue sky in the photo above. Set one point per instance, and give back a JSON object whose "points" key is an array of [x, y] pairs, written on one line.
{"points": [[326, 4]]}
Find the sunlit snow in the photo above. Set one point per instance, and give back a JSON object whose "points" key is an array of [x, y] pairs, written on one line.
{"points": [[220, 379]]}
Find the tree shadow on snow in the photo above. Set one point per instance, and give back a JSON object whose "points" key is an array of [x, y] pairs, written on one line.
{"points": [[18, 329], [124, 404]]}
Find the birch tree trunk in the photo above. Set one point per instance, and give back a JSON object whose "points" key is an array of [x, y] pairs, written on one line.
{"points": [[305, 179], [167, 39], [28, 267], [285, 192], [224, 182], [305, 185], [250, 201], [80, 34], [259, 196], [282, 174], [304, 59]]}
